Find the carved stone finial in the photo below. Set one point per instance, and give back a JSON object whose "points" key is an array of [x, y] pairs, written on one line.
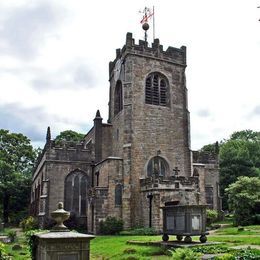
{"points": [[98, 114], [60, 215], [48, 135]]}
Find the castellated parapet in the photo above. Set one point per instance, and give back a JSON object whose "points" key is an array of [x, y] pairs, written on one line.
{"points": [[172, 54]]}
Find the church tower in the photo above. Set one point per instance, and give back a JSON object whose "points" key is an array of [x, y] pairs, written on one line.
{"points": [[137, 162], [150, 129]]}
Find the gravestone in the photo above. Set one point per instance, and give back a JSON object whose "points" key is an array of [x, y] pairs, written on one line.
{"points": [[60, 243]]}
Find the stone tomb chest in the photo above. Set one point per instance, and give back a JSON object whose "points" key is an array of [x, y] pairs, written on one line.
{"points": [[184, 220]]}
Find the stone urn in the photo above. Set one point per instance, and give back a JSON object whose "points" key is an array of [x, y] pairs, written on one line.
{"points": [[60, 215]]}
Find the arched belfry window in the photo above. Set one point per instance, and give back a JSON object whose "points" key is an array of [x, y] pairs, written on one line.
{"points": [[156, 90], [118, 195], [118, 98], [75, 201], [157, 166]]}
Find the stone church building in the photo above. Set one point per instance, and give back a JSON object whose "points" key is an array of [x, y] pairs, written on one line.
{"points": [[137, 162]]}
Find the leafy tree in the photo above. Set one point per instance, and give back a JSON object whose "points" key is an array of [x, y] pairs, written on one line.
{"points": [[239, 156], [70, 136], [17, 158], [243, 195]]}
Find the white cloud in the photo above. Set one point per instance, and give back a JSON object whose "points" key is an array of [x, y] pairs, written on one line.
{"points": [[54, 56]]}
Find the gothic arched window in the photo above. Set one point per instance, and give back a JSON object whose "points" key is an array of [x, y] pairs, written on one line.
{"points": [[118, 98], [76, 193], [118, 195], [157, 166], [156, 90]]}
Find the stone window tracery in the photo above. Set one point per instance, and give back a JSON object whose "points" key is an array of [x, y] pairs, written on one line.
{"points": [[156, 90], [76, 193], [157, 166], [118, 98]]}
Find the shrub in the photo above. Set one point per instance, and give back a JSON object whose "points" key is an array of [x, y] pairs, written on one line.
{"points": [[31, 241], [111, 226], [225, 257], [29, 223], [212, 216], [216, 249], [247, 254], [185, 254], [140, 232], [12, 235], [3, 255]]}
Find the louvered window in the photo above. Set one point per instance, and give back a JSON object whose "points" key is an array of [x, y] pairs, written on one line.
{"points": [[156, 90]]}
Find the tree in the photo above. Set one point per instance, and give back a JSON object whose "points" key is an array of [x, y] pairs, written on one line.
{"points": [[69, 136], [243, 196], [239, 156], [17, 158]]}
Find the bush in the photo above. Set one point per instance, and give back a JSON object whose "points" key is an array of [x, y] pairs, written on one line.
{"points": [[225, 257], [140, 232], [185, 254], [29, 223], [212, 216], [31, 241], [3, 255], [111, 226], [212, 249], [247, 254]]}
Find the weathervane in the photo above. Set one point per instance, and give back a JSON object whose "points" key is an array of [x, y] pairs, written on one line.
{"points": [[148, 13]]}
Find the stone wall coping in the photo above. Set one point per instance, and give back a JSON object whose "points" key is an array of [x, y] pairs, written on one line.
{"points": [[64, 235], [185, 206], [199, 164], [109, 158]]}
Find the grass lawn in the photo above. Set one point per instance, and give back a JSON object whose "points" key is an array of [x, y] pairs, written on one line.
{"points": [[21, 254], [116, 247]]}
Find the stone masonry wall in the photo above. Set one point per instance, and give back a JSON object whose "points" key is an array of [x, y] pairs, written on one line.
{"points": [[148, 129]]}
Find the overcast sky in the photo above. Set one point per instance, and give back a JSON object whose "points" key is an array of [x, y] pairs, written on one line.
{"points": [[54, 57]]}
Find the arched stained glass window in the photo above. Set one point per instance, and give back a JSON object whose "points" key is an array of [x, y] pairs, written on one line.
{"points": [[76, 185], [157, 166], [118, 98], [156, 90]]}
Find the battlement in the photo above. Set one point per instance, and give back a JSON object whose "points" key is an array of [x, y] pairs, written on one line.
{"points": [[205, 157], [172, 54], [64, 151], [172, 182]]}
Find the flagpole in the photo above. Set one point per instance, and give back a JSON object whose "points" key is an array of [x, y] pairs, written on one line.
{"points": [[153, 25]]}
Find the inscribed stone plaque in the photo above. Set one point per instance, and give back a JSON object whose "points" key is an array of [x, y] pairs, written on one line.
{"points": [[169, 222], [195, 222], [180, 222], [68, 257]]}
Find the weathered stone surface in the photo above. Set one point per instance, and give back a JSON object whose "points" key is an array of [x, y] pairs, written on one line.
{"points": [[119, 152]]}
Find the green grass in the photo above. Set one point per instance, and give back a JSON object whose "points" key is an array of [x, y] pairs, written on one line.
{"points": [[236, 240], [248, 230], [22, 254], [116, 247]]}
